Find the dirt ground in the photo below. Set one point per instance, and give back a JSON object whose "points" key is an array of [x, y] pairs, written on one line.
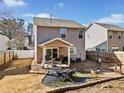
{"points": [[17, 79], [117, 86], [88, 64]]}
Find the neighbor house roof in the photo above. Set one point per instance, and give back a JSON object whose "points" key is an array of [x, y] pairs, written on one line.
{"points": [[50, 22], [111, 27]]}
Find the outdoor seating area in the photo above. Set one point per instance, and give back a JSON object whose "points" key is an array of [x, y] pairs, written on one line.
{"points": [[57, 75], [62, 61], [78, 73]]}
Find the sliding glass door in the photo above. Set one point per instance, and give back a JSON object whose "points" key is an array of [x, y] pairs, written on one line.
{"points": [[51, 53]]}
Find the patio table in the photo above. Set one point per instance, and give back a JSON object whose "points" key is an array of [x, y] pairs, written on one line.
{"points": [[64, 73]]}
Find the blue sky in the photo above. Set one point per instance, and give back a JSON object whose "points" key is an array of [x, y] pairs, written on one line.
{"points": [[82, 11]]}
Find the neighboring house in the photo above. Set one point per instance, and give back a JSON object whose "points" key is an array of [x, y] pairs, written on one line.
{"points": [[24, 42], [55, 38], [3, 42], [104, 37]]}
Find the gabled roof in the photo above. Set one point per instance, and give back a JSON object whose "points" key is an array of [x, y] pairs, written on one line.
{"points": [[50, 22], [111, 27], [49, 41]]}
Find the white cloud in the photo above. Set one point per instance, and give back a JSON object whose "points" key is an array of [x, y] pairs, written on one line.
{"points": [[59, 6], [13, 3], [43, 15], [112, 19], [86, 25]]}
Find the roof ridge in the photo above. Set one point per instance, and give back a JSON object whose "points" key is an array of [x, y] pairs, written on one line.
{"points": [[105, 23], [55, 19], [69, 23], [109, 24]]}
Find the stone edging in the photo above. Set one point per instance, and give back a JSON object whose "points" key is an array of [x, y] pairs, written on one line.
{"points": [[73, 87]]}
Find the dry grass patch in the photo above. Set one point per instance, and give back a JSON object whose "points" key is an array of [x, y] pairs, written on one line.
{"points": [[27, 83], [17, 79]]}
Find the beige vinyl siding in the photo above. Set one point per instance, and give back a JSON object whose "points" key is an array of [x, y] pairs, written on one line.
{"points": [[47, 33]]}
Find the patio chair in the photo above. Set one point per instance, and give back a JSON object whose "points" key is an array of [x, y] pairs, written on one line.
{"points": [[65, 60], [78, 59], [57, 61]]}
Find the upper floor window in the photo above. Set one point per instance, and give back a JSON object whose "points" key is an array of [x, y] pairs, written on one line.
{"points": [[110, 34], [119, 35], [80, 34], [122, 33], [63, 32]]}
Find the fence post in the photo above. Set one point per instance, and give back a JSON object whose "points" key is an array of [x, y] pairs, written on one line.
{"points": [[9, 56], [13, 55], [5, 57]]}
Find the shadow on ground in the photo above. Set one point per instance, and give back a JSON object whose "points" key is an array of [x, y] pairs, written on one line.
{"points": [[14, 71], [16, 67]]}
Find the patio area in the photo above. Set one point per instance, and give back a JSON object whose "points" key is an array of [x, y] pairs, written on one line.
{"points": [[87, 65], [78, 73], [54, 52]]}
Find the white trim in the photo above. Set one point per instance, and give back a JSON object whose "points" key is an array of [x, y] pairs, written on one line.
{"points": [[68, 55], [54, 40], [44, 54], [107, 47], [57, 46], [35, 34]]}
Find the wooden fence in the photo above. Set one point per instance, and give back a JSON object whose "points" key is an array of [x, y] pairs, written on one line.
{"points": [[6, 57], [22, 54], [105, 56]]}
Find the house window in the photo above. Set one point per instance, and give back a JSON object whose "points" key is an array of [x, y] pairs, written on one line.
{"points": [[115, 48], [98, 49], [110, 36], [122, 33], [80, 34], [63, 33], [103, 50], [73, 50], [119, 37]]}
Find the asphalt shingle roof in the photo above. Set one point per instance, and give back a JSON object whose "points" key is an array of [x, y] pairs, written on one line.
{"points": [[47, 22], [111, 27]]}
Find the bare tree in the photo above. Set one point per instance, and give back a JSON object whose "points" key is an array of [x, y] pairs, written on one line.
{"points": [[12, 28]]}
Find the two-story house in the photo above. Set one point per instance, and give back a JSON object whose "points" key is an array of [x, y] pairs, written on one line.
{"points": [[58, 38], [104, 37]]}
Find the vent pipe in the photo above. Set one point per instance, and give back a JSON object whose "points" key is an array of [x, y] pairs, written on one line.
{"points": [[50, 17]]}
